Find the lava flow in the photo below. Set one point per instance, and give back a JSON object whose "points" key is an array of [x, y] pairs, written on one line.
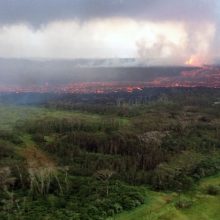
{"points": [[206, 76], [195, 60]]}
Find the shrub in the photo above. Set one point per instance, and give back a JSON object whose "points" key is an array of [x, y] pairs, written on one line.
{"points": [[212, 190], [184, 204]]}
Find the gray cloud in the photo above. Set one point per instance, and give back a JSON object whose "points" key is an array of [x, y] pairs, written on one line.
{"points": [[37, 12]]}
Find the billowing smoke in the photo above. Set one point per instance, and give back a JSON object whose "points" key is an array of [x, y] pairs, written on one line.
{"points": [[158, 52], [200, 20], [197, 48]]}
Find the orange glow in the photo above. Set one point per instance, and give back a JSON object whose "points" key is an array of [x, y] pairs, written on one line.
{"points": [[194, 60], [189, 62], [205, 76]]}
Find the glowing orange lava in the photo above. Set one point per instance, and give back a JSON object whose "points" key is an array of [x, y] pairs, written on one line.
{"points": [[189, 62], [194, 61], [205, 76]]}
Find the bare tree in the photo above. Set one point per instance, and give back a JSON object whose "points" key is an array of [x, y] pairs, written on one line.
{"points": [[105, 176]]}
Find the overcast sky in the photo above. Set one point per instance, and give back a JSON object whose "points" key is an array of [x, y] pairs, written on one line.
{"points": [[172, 31]]}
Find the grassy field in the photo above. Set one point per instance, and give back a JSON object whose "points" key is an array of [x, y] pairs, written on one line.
{"points": [[162, 205], [10, 114]]}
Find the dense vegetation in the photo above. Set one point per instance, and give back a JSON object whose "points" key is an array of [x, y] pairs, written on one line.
{"points": [[70, 158]]}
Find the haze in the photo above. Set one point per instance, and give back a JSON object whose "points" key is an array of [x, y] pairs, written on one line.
{"points": [[154, 32]]}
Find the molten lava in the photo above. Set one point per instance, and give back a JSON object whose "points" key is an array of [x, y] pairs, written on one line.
{"points": [[194, 60], [205, 76], [189, 62]]}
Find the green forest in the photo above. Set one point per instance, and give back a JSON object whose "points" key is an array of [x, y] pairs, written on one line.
{"points": [[124, 158]]}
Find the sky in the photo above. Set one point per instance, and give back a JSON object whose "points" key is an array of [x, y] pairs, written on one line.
{"points": [[164, 31]]}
